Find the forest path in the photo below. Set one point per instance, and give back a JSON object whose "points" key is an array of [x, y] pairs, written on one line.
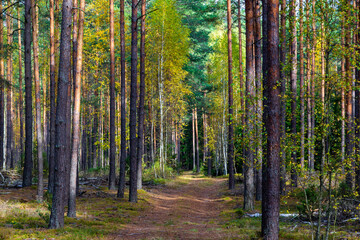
{"points": [[186, 208]]}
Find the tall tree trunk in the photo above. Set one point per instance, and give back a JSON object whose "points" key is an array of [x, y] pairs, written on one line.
{"points": [[141, 116], [283, 97], [45, 113], [197, 142], [308, 79], [52, 99], [21, 110], [241, 71], [112, 175], [241, 79], [76, 114], [357, 108], [9, 104], [193, 139], [259, 127], [249, 185], [75, 14], [223, 132], [39, 132], [312, 92], [293, 80], [272, 109], [207, 158], [161, 99], [28, 163], [349, 137], [62, 122], [231, 110], [121, 189], [302, 86], [133, 101], [343, 102], [2, 95]]}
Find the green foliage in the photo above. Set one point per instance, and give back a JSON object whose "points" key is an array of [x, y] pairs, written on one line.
{"points": [[156, 175]]}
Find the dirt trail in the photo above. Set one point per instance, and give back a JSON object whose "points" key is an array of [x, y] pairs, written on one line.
{"points": [[188, 210]]}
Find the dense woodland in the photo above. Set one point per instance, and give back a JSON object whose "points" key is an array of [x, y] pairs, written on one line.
{"points": [[265, 93]]}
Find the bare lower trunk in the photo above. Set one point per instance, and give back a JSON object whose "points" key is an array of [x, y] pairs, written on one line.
{"points": [[2, 96], [293, 80], [283, 97], [141, 120], [37, 102], [9, 105], [121, 189], [302, 87], [133, 104], [61, 136], [51, 156], [231, 102], [28, 164], [259, 103], [193, 139], [272, 106], [349, 136], [112, 174], [21, 107], [249, 185], [76, 115], [197, 142]]}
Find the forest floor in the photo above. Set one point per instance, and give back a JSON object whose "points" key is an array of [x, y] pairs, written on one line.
{"points": [[187, 207]]}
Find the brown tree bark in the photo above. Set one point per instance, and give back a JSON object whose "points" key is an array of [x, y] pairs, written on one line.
{"points": [[52, 98], [241, 71], [62, 122], [349, 136], [308, 79], [272, 107], [197, 141], [357, 108], [21, 108], [121, 189], [283, 98], [76, 114], [75, 23], [207, 158], [2, 95], [9, 104], [45, 113], [343, 102], [312, 92], [193, 139], [249, 185], [141, 120], [28, 163], [112, 174], [231, 102], [39, 133], [259, 103], [293, 80], [302, 86], [133, 104]]}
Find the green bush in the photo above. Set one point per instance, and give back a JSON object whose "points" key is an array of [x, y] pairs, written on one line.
{"points": [[155, 175], [308, 201]]}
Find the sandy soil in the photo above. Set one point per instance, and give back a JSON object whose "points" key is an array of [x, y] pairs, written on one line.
{"points": [[187, 210]]}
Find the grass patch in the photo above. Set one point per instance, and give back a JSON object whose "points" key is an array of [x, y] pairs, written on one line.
{"points": [[97, 217]]}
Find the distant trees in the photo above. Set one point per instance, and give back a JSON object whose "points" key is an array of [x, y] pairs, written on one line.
{"points": [[193, 108]]}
